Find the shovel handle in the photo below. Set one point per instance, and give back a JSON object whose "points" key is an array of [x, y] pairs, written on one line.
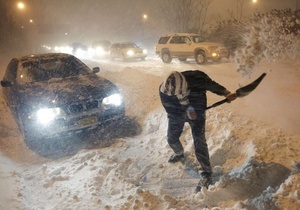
{"points": [[217, 103], [241, 92]]}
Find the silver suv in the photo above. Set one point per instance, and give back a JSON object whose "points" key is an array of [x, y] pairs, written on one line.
{"points": [[185, 45]]}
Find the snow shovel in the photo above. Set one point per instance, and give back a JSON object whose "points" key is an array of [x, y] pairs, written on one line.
{"points": [[241, 92]]}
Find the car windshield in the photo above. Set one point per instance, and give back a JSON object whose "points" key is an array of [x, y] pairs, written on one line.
{"points": [[46, 69], [197, 39], [129, 45]]}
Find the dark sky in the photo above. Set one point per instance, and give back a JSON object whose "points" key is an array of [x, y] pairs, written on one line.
{"points": [[100, 19], [119, 20]]}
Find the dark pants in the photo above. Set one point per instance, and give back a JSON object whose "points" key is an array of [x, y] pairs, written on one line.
{"points": [[175, 128]]}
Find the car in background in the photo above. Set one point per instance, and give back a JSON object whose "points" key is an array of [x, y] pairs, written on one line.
{"points": [[186, 45], [81, 50], [127, 51], [101, 48], [56, 95]]}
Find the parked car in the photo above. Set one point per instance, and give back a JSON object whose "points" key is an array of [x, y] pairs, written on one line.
{"points": [[56, 94], [185, 45], [126, 51]]}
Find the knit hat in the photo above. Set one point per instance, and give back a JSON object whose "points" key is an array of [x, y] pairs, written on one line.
{"points": [[175, 84]]}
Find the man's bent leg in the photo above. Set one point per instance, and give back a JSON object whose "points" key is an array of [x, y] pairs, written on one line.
{"points": [[200, 145]]}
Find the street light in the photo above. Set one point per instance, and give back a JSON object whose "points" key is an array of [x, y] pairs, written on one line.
{"points": [[254, 1], [21, 5]]}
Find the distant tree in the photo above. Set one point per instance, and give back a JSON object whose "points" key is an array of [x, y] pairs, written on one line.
{"points": [[239, 9], [228, 32], [185, 15], [272, 36], [202, 14]]}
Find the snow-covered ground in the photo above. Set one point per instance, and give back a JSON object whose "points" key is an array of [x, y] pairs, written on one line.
{"points": [[253, 144]]}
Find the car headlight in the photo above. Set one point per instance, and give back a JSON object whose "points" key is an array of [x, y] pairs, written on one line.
{"points": [[47, 115], [145, 51], [130, 52], [100, 51], [115, 99]]}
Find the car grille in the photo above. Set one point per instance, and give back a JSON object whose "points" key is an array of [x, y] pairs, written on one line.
{"points": [[80, 107]]}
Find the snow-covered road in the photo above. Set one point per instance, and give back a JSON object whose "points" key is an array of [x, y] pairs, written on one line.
{"points": [[253, 144]]}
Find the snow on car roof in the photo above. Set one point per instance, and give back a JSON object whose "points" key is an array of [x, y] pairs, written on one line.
{"points": [[35, 57]]}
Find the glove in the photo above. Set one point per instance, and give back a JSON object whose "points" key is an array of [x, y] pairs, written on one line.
{"points": [[191, 113], [231, 96]]}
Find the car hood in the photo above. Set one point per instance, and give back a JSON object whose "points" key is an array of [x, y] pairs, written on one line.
{"points": [[67, 90]]}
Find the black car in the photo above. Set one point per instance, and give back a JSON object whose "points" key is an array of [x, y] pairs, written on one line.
{"points": [[57, 94]]}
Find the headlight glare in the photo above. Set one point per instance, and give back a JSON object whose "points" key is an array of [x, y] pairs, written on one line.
{"points": [[45, 115], [115, 99], [130, 52]]}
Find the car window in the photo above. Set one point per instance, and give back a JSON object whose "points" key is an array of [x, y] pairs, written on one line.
{"points": [[178, 40], [163, 40], [185, 39], [129, 45], [197, 39], [122, 46], [114, 46], [43, 70]]}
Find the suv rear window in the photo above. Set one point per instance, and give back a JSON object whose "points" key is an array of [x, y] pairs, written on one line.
{"points": [[163, 40]]}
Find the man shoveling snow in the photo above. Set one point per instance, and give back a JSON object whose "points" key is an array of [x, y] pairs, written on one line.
{"points": [[183, 95]]}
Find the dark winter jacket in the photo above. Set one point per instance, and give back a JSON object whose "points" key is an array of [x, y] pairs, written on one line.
{"points": [[198, 83]]}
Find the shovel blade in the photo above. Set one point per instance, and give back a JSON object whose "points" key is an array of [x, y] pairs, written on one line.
{"points": [[243, 91]]}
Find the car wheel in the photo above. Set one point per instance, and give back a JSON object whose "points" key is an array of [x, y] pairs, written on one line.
{"points": [[182, 59], [200, 57], [166, 57]]}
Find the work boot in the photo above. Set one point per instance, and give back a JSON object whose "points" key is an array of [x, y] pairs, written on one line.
{"points": [[204, 181], [176, 158]]}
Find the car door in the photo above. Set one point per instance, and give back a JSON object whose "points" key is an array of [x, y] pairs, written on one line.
{"points": [[179, 45]]}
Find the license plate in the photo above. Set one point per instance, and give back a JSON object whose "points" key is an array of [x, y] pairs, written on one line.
{"points": [[87, 121]]}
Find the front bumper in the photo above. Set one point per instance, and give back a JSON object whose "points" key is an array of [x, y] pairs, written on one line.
{"points": [[72, 124], [136, 56], [218, 55]]}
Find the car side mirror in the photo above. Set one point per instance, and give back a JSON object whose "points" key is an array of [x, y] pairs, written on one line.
{"points": [[6, 84], [96, 69]]}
